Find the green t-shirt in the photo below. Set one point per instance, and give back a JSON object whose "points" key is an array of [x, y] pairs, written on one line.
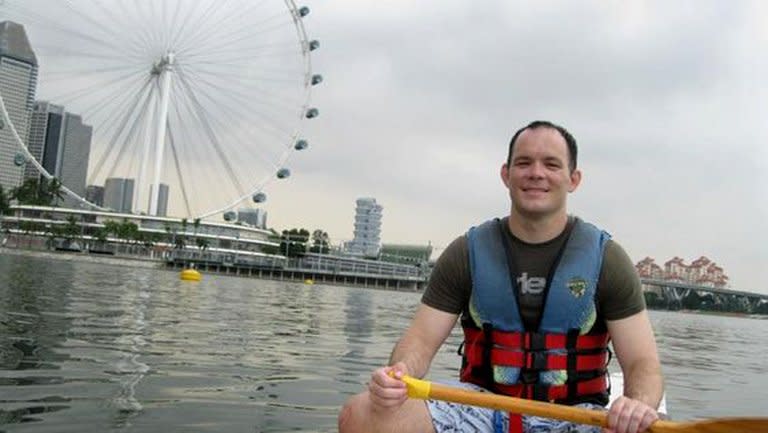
{"points": [[619, 293]]}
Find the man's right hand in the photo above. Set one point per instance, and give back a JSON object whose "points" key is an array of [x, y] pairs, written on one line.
{"points": [[386, 389]]}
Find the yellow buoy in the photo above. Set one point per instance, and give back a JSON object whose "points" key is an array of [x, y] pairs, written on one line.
{"points": [[309, 281], [190, 275]]}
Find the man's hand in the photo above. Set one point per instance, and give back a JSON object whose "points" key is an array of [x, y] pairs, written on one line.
{"points": [[386, 389], [630, 416]]}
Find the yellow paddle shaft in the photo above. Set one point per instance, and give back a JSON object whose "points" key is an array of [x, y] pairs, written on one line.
{"points": [[424, 390]]}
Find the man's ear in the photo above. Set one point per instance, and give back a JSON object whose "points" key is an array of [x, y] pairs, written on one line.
{"points": [[575, 180], [505, 174]]}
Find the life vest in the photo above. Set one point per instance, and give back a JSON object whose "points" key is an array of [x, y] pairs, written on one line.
{"points": [[564, 360]]}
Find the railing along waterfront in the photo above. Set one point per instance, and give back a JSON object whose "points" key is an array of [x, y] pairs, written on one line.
{"points": [[675, 295]]}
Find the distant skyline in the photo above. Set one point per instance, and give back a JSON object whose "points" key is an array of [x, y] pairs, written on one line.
{"points": [[419, 100]]}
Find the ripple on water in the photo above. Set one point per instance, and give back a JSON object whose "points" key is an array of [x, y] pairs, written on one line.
{"points": [[106, 349]]}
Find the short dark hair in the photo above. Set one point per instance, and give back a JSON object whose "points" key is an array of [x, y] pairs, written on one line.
{"points": [[569, 140]]}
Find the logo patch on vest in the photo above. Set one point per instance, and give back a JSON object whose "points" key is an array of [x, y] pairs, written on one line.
{"points": [[577, 286]]}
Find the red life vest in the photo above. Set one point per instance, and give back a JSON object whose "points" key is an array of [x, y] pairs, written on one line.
{"points": [[564, 360], [583, 357]]}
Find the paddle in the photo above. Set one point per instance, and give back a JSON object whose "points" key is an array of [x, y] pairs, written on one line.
{"points": [[424, 390]]}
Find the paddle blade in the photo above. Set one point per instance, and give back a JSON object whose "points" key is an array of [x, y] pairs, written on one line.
{"points": [[716, 425]]}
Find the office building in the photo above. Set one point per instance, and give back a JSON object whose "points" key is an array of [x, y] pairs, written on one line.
{"points": [[118, 194], [162, 200], [62, 144], [367, 232], [18, 83]]}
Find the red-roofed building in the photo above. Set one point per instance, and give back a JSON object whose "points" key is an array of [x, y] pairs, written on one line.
{"points": [[702, 271]]}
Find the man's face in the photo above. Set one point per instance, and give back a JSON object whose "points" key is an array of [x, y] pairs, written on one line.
{"points": [[538, 176]]}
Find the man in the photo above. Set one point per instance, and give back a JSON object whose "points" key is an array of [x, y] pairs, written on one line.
{"points": [[539, 294]]}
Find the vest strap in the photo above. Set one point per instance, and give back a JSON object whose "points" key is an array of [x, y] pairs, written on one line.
{"points": [[535, 341], [555, 392]]}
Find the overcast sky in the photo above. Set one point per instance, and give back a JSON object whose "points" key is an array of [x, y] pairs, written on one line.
{"points": [[668, 101]]}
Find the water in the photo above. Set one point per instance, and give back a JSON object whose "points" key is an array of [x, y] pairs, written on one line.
{"points": [[89, 347]]}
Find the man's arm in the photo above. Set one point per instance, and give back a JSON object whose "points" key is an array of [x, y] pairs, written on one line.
{"points": [[412, 355], [635, 348], [421, 341]]}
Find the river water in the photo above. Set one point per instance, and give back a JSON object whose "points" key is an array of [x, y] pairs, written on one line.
{"points": [[88, 347]]}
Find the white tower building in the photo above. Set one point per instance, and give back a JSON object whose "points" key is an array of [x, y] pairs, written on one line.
{"points": [[367, 234]]}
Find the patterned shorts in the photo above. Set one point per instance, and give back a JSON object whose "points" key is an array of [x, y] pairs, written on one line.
{"points": [[451, 417]]}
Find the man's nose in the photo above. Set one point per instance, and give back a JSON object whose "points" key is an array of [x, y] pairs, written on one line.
{"points": [[536, 170]]}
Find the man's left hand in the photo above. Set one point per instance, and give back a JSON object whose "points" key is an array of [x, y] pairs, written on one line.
{"points": [[627, 415]]}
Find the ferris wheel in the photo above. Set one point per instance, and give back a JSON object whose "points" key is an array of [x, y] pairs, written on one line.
{"points": [[203, 98]]}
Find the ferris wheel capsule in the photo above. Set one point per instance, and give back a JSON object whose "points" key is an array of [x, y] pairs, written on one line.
{"points": [[303, 11], [301, 144], [283, 173], [314, 44], [317, 79], [230, 216], [312, 112], [19, 160], [259, 197]]}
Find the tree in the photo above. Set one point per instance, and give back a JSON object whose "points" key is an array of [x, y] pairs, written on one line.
{"points": [[320, 242], [202, 243], [71, 230], [51, 191], [28, 192], [5, 202], [38, 192], [5, 205], [293, 242]]}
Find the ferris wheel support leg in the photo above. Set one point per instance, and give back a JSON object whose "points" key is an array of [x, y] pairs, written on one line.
{"points": [[162, 122], [141, 188]]}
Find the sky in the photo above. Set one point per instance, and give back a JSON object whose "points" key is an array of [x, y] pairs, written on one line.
{"points": [[667, 101], [419, 100]]}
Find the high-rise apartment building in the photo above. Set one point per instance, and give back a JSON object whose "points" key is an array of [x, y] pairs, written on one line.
{"points": [[62, 144], [367, 233], [118, 194], [18, 83]]}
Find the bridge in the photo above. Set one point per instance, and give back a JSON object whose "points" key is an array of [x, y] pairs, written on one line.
{"points": [[672, 295]]}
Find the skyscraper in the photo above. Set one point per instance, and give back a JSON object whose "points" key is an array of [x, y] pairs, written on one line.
{"points": [[18, 82], [118, 194], [367, 241], [162, 200], [62, 143]]}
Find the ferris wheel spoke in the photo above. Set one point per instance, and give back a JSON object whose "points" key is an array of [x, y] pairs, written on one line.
{"points": [[99, 24], [235, 92], [130, 137], [211, 134], [193, 39], [123, 114], [92, 110]]}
